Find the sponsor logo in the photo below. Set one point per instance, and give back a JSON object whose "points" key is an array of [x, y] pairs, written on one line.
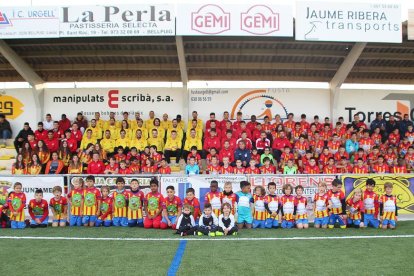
{"points": [[258, 102], [260, 20], [4, 21], [210, 19], [11, 107]]}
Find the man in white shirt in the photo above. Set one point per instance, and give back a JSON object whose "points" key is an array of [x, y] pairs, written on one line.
{"points": [[48, 123]]}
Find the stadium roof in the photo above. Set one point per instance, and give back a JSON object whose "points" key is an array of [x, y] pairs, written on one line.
{"points": [[208, 58]]}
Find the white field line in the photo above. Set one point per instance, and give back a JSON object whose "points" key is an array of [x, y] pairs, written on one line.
{"points": [[208, 239]]}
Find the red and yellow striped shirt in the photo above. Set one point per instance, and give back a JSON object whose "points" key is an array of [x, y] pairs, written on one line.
{"points": [[287, 203], [120, 207], [154, 203], [91, 197], [136, 198], [260, 212], [320, 205], [76, 199], [17, 202], [300, 203]]}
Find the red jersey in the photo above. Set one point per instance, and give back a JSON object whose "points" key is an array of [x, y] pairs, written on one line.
{"points": [[399, 169], [149, 169], [212, 142], [312, 169], [338, 156], [336, 200], [268, 170], [154, 203], [172, 205], [289, 125], [38, 209], [197, 157], [106, 208], [285, 157], [324, 158], [394, 139], [119, 157], [241, 170], [40, 135], [347, 169], [16, 203], [360, 170], [112, 168], [214, 198], [52, 144], [72, 144], [77, 135], [230, 198], [281, 143], [355, 209], [371, 205], [389, 206], [381, 168], [226, 153], [330, 170], [156, 157], [334, 146], [261, 144], [195, 207], [33, 144], [255, 157], [317, 146], [213, 169], [96, 167], [124, 171], [226, 170], [164, 170], [232, 142], [249, 170], [59, 207]]}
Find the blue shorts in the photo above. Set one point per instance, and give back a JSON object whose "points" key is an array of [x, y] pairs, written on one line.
{"points": [[370, 220], [75, 221], [17, 224], [336, 218], [245, 218], [321, 221], [288, 224], [355, 222], [118, 221], [173, 219], [135, 222], [45, 221], [59, 221], [258, 223], [105, 223], [88, 219], [389, 222], [272, 223], [302, 221]]}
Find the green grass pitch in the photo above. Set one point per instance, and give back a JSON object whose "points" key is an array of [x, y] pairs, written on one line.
{"points": [[226, 256]]}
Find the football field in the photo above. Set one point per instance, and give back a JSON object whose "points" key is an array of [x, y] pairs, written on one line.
{"points": [[137, 251]]}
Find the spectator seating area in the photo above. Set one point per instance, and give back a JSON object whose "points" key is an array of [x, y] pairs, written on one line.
{"points": [[133, 145]]}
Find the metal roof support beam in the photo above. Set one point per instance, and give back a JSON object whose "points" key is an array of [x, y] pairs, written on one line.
{"points": [[342, 74], [181, 59], [28, 74]]}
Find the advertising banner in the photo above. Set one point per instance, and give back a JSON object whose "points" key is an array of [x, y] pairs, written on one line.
{"points": [[367, 103], [259, 102], [201, 184], [117, 20], [18, 105], [254, 19], [410, 25], [29, 22], [403, 188], [308, 182], [105, 100], [30, 185], [354, 22]]}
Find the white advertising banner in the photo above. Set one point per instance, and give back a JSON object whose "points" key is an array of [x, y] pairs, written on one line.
{"points": [[355, 22], [18, 105], [118, 20], [238, 20], [410, 26], [259, 102], [30, 184], [200, 184], [367, 103], [106, 100], [29, 22]]}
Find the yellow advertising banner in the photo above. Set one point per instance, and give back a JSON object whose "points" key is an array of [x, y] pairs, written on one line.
{"points": [[403, 187]]}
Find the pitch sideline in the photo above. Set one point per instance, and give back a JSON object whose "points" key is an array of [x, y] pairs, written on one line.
{"points": [[207, 239]]}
